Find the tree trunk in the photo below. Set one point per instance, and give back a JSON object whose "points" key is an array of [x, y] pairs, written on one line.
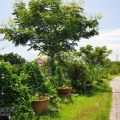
{"points": [[52, 63]]}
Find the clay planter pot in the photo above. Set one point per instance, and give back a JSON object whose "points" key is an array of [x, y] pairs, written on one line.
{"points": [[64, 91], [40, 105]]}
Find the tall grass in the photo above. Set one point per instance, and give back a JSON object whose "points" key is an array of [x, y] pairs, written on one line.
{"points": [[95, 107]]}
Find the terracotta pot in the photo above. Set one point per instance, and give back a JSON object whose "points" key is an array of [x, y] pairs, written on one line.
{"points": [[40, 105], [64, 91]]}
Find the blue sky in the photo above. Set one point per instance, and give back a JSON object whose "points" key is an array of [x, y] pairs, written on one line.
{"points": [[109, 26]]}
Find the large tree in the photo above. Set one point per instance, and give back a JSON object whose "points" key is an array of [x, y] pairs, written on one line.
{"points": [[49, 26]]}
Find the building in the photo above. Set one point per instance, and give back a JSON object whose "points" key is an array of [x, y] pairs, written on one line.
{"points": [[40, 60]]}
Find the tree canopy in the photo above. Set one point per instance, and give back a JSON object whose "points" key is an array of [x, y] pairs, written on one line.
{"points": [[95, 56], [49, 26], [12, 58]]}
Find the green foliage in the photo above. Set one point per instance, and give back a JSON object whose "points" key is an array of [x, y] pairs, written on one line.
{"points": [[97, 73], [13, 93], [51, 85], [23, 84], [46, 67], [77, 73], [12, 58], [59, 77], [32, 77], [73, 68], [8, 85], [115, 68], [97, 62], [95, 56], [23, 108], [1, 57], [85, 67], [16, 61]]}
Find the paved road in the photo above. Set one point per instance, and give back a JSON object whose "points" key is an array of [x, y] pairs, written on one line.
{"points": [[115, 110]]}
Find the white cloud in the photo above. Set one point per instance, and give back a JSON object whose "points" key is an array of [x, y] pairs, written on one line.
{"points": [[111, 39], [114, 34]]}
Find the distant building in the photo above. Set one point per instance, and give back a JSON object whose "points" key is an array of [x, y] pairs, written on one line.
{"points": [[40, 60]]}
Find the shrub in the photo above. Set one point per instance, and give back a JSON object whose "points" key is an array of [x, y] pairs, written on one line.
{"points": [[8, 85], [14, 94], [115, 68], [77, 72], [33, 78], [13, 58], [50, 84], [23, 108]]}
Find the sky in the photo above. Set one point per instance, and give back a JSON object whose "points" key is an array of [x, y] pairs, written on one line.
{"points": [[109, 27]]}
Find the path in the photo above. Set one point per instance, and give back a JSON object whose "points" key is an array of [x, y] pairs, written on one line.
{"points": [[115, 110]]}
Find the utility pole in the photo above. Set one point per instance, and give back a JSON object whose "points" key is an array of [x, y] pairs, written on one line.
{"points": [[116, 57]]}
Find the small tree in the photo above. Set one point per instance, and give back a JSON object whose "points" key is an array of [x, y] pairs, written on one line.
{"points": [[49, 26], [97, 56], [97, 60]]}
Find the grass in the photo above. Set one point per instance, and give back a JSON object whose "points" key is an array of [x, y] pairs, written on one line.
{"points": [[94, 106]]}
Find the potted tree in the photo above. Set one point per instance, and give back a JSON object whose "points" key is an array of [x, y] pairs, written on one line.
{"points": [[63, 85], [64, 88], [40, 104]]}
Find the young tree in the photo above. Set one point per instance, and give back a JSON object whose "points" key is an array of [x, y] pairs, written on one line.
{"points": [[49, 26], [97, 56], [97, 60]]}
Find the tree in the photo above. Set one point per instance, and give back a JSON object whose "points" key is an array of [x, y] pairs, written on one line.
{"points": [[97, 56], [12, 58], [49, 26], [73, 68], [97, 60]]}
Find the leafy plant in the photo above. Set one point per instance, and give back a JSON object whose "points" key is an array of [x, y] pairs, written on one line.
{"points": [[13, 58], [9, 92], [60, 79], [97, 56], [115, 67], [14, 94], [32, 77]]}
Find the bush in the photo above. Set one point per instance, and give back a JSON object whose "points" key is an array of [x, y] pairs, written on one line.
{"points": [[8, 85], [32, 77], [115, 68], [12, 58], [77, 72], [23, 108], [14, 94], [50, 84]]}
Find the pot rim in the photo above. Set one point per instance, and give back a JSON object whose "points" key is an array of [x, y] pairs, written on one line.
{"points": [[70, 88], [42, 98]]}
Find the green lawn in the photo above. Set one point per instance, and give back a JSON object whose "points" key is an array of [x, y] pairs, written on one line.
{"points": [[95, 107]]}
